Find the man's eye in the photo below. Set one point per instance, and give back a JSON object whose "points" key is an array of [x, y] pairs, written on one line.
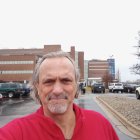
{"points": [[48, 81], [66, 80]]}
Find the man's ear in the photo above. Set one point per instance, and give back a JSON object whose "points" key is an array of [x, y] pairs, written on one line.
{"points": [[76, 95]]}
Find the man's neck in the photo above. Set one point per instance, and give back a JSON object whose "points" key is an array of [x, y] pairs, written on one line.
{"points": [[66, 123]]}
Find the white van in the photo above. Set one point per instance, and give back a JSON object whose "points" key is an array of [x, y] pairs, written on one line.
{"points": [[115, 87]]}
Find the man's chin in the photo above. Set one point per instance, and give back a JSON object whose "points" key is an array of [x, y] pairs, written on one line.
{"points": [[57, 107]]}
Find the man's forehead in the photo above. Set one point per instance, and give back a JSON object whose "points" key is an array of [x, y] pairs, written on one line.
{"points": [[57, 61], [60, 60], [67, 65]]}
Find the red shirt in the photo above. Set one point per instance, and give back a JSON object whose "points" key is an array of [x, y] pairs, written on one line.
{"points": [[90, 125]]}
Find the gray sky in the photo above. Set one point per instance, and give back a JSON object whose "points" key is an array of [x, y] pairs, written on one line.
{"points": [[100, 28]]}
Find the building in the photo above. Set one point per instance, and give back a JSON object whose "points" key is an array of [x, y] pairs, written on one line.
{"points": [[97, 69], [79, 59], [17, 65], [111, 63], [86, 70]]}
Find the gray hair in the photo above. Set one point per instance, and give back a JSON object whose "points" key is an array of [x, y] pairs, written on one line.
{"points": [[35, 76]]}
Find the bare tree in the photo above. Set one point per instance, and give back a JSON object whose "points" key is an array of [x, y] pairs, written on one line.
{"points": [[118, 76], [135, 69], [107, 78]]}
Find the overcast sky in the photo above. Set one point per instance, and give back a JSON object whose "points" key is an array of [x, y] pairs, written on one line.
{"points": [[100, 28]]}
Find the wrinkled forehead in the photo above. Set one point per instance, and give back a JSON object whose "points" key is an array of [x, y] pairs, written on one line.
{"points": [[65, 61]]}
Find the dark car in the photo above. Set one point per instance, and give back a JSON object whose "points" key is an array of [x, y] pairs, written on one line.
{"points": [[11, 89], [82, 87], [130, 88], [98, 88], [26, 89], [1, 98]]}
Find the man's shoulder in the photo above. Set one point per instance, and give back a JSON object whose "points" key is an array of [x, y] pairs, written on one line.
{"points": [[93, 116], [92, 113]]}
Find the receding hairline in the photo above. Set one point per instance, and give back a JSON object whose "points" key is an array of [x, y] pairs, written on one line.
{"points": [[67, 61], [67, 58]]}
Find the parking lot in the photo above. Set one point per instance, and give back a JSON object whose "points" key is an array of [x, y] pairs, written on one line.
{"points": [[17, 107]]}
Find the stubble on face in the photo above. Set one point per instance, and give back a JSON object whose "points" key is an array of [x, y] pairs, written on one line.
{"points": [[57, 104]]}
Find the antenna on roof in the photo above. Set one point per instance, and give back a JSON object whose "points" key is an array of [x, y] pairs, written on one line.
{"points": [[111, 56]]}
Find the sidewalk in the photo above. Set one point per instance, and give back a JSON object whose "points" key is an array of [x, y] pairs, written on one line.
{"points": [[120, 121], [89, 101]]}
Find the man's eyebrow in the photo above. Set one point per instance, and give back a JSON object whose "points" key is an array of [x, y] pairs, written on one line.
{"points": [[47, 78], [66, 77]]}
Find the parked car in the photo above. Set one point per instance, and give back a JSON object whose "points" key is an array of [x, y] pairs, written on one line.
{"points": [[130, 87], [26, 89], [115, 87], [1, 98], [137, 91], [11, 89], [98, 87], [82, 87]]}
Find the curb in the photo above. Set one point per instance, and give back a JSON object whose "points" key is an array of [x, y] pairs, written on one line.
{"points": [[132, 128]]}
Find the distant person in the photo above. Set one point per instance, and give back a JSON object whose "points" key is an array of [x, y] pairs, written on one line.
{"points": [[81, 86], [54, 85]]}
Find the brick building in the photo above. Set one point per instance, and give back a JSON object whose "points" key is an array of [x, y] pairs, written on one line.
{"points": [[97, 68], [18, 64], [16, 67], [79, 59]]}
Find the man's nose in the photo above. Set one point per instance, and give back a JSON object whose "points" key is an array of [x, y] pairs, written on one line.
{"points": [[58, 88]]}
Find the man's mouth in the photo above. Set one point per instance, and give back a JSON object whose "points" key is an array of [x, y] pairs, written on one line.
{"points": [[58, 97]]}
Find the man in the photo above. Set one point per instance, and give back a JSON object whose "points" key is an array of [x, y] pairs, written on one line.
{"points": [[54, 85]]}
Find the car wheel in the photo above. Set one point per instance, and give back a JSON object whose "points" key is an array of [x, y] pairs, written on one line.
{"points": [[137, 95], [84, 91], [10, 94], [92, 91]]}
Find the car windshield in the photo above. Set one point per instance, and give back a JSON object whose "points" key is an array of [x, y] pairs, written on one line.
{"points": [[118, 84], [4, 85], [25, 86], [132, 85], [98, 84]]}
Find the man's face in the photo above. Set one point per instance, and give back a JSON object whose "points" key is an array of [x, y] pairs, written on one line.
{"points": [[57, 85]]}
